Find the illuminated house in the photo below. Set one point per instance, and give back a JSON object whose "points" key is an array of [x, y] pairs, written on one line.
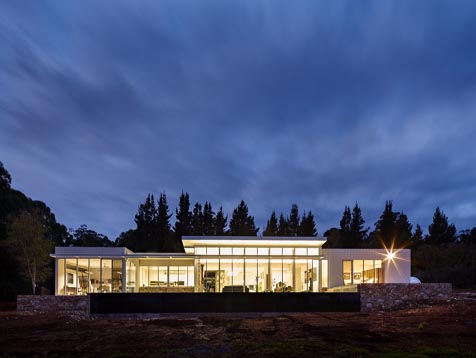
{"points": [[227, 264]]}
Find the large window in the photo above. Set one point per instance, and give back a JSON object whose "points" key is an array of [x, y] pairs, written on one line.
{"points": [[259, 269], [361, 271], [80, 276]]}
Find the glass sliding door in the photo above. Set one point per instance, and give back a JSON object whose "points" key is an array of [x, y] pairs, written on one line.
{"points": [[61, 278], [163, 276], [116, 283], [347, 272], [238, 276], [263, 276], [131, 276], [325, 275], [71, 286], [277, 275], [94, 274], [251, 275], [212, 276], [301, 278], [105, 285], [83, 277], [288, 275]]}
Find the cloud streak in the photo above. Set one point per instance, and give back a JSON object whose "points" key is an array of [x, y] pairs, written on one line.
{"points": [[314, 103]]}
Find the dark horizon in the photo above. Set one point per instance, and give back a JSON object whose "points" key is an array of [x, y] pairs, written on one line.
{"points": [[322, 105]]}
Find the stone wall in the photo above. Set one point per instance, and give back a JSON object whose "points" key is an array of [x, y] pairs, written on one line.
{"points": [[390, 296], [58, 304]]}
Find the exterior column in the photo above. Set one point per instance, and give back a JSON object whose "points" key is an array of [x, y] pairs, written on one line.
{"points": [[136, 289], [124, 275], [294, 274], [56, 276], [319, 275]]}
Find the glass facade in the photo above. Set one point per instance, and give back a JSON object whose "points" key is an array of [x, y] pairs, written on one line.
{"points": [[258, 269], [80, 276], [212, 266]]}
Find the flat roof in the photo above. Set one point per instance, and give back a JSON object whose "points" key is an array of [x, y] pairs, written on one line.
{"points": [[272, 241], [88, 251], [192, 241]]}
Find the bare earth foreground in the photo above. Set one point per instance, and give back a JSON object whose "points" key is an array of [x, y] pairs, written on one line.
{"points": [[445, 330]]}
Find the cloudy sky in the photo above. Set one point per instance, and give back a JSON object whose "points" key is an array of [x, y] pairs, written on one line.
{"points": [[322, 104]]}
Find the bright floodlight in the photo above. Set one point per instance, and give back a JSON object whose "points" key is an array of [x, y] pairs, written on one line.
{"points": [[391, 255]]}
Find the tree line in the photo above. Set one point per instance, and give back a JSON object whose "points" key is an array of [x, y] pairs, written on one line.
{"points": [[29, 231], [154, 232]]}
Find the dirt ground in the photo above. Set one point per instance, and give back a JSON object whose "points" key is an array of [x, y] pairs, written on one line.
{"points": [[444, 330]]}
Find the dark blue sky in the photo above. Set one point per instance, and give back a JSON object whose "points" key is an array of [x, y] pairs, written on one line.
{"points": [[321, 104]]}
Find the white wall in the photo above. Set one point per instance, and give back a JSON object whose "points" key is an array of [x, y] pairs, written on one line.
{"points": [[397, 270]]}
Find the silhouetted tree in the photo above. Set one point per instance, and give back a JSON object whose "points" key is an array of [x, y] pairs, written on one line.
{"points": [[5, 178], [440, 232], [164, 238], [357, 231], [146, 226], [208, 220], [403, 231], [242, 224], [183, 215], [271, 226], [83, 236], [417, 237], [468, 236], [307, 227], [334, 238], [345, 234], [126, 239], [283, 226], [385, 226], [293, 221], [220, 223], [197, 220]]}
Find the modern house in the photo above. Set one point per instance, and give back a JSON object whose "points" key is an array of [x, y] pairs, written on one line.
{"points": [[227, 264]]}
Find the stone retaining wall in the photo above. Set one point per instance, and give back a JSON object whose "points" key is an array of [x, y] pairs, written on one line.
{"points": [[373, 297], [390, 296], [58, 304]]}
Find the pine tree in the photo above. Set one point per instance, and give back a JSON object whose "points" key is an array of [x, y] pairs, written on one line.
{"points": [[440, 232], [5, 178], [183, 215], [208, 219], [271, 226], [385, 226], [468, 236], [345, 234], [283, 226], [417, 237], [242, 224], [163, 232], [357, 232], [145, 220], [293, 222], [308, 225], [220, 223], [197, 220], [403, 231]]}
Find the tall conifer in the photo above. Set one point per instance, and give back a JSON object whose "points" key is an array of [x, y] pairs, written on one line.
{"points": [[293, 222], [242, 224], [183, 215], [220, 223], [271, 226]]}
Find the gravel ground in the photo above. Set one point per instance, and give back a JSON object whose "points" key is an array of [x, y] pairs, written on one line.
{"points": [[444, 330]]}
